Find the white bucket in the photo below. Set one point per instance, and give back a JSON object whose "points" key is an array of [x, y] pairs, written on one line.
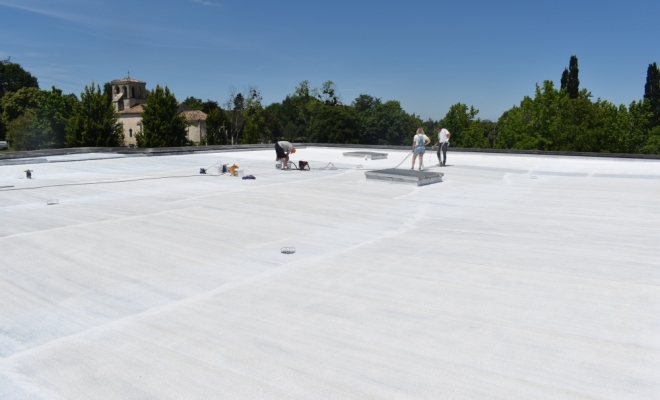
{"points": [[240, 172], [278, 165]]}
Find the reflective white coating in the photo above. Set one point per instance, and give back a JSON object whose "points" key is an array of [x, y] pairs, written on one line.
{"points": [[489, 284]]}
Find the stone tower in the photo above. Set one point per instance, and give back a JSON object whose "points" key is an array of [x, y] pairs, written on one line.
{"points": [[128, 92]]}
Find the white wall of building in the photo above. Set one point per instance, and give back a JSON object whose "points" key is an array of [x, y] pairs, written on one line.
{"points": [[132, 125], [197, 131]]}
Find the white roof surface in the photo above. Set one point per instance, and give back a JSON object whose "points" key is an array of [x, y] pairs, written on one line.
{"points": [[517, 277]]}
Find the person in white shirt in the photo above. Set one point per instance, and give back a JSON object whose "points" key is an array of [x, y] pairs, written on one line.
{"points": [[443, 142], [419, 141]]}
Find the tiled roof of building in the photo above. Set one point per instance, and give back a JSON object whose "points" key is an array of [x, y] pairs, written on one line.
{"points": [[136, 109], [194, 115], [127, 80]]}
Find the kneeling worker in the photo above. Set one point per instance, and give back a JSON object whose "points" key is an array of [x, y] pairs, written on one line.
{"points": [[282, 150]]}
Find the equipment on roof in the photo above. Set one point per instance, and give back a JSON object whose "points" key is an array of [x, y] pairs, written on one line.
{"points": [[222, 168], [419, 178], [368, 155], [330, 167], [302, 166]]}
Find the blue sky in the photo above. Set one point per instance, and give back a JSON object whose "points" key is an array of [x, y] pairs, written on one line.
{"points": [[426, 54]]}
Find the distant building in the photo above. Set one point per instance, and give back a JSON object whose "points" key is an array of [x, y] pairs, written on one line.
{"points": [[128, 96], [127, 93], [197, 124]]}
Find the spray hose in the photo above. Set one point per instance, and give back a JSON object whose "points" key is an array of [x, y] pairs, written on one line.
{"points": [[329, 167], [402, 161]]}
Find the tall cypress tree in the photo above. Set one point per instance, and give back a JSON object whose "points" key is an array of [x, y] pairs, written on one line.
{"points": [[573, 82], [652, 92], [564, 79]]}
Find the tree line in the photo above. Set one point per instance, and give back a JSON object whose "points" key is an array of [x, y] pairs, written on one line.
{"points": [[554, 119], [564, 119], [314, 115]]}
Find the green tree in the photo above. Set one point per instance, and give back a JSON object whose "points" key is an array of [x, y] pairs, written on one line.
{"points": [[305, 102], [652, 145], [15, 104], [273, 114], [546, 107], [491, 131], [533, 124], [251, 131], [564, 79], [209, 105], [162, 124], [235, 107], [466, 131], [386, 123], [288, 113], [516, 130], [12, 79], [652, 93], [25, 132], [306, 105], [554, 121], [328, 94], [53, 112], [430, 127], [335, 124], [623, 129], [365, 102], [475, 137], [94, 121], [194, 103], [217, 123], [638, 135], [255, 130], [49, 111], [573, 82], [577, 125], [107, 91], [290, 132]]}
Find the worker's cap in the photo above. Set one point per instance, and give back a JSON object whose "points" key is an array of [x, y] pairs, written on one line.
{"points": [[293, 150]]}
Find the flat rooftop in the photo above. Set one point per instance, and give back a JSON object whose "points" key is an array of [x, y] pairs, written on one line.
{"points": [[532, 277]]}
